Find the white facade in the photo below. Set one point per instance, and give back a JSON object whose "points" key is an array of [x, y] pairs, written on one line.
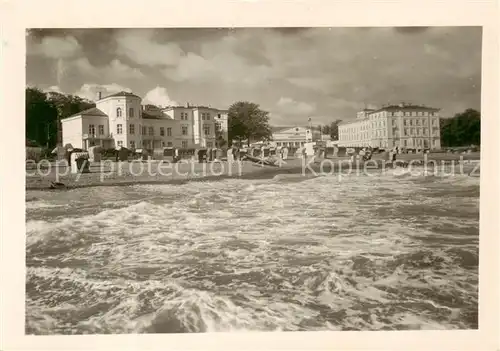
{"points": [[120, 120], [291, 136], [409, 126]]}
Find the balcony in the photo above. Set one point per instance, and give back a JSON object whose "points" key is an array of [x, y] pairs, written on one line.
{"points": [[97, 136]]}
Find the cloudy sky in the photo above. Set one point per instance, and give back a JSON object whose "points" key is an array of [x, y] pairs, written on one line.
{"points": [[322, 73]]}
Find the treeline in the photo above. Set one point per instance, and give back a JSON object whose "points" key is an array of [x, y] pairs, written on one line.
{"points": [[332, 129], [44, 112], [464, 129]]}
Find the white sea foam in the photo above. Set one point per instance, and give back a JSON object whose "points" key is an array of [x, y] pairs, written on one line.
{"points": [[367, 252]]}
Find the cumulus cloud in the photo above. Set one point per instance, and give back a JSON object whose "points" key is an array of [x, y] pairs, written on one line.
{"points": [[56, 47], [290, 106], [114, 70], [91, 91], [141, 47], [159, 97], [295, 72]]}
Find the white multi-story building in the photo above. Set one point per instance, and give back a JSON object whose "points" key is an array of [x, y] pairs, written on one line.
{"points": [[120, 120], [403, 125]]}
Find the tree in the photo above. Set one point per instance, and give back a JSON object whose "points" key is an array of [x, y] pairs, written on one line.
{"points": [[334, 129], [248, 122], [68, 105], [463, 129], [44, 112], [326, 129], [41, 117]]}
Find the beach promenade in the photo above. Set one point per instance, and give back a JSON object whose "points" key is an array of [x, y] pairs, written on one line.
{"points": [[108, 173]]}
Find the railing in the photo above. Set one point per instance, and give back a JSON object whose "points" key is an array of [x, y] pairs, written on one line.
{"points": [[97, 136]]}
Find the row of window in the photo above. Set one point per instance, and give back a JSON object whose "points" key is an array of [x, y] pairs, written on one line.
{"points": [[204, 116], [119, 112], [381, 124], [147, 144], [406, 113], [184, 115], [145, 130]]}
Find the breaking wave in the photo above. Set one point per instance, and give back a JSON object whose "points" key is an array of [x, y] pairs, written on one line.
{"points": [[379, 252]]}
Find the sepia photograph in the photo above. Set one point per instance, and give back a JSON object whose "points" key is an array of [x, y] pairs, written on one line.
{"points": [[190, 180]]}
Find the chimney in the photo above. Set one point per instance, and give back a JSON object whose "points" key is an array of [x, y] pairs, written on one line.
{"points": [[99, 95]]}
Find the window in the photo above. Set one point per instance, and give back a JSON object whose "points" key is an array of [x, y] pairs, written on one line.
{"points": [[131, 129], [210, 144], [184, 130], [144, 130], [418, 122], [119, 129], [411, 122], [162, 131], [203, 116], [119, 143], [184, 144], [91, 129], [419, 131], [132, 144], [169, 131], [206, 129], [144, 143], [404, 142], [405, 122], [426, 131], [118, 112], [413, 131], [207, 117], [162, 144], [131, 112], [406, 131], [407, 113], [169, 143], [151, 131], [218, 115], [101, 129]]}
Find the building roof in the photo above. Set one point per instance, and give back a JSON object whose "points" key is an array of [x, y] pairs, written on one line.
{"points": [[121, 93], [94, 111], [146, 115], [403, 107], [280, 129]]}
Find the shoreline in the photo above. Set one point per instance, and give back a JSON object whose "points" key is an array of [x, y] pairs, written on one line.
{"points": [[247, 170]]}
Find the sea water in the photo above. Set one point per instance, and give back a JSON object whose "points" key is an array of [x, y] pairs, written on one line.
{"points": [[378, 252]]}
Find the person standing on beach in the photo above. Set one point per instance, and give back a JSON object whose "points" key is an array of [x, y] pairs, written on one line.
{"points": [[394, 153]]}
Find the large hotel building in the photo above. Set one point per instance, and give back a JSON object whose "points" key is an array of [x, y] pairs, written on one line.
{"points": [[120, 120], [404, 125]]}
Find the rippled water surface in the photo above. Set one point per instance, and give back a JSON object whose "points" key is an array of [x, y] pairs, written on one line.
{"points": [[378, 252]]}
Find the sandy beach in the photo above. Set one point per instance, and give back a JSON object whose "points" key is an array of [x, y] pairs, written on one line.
{"points": [[108, 173]]}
